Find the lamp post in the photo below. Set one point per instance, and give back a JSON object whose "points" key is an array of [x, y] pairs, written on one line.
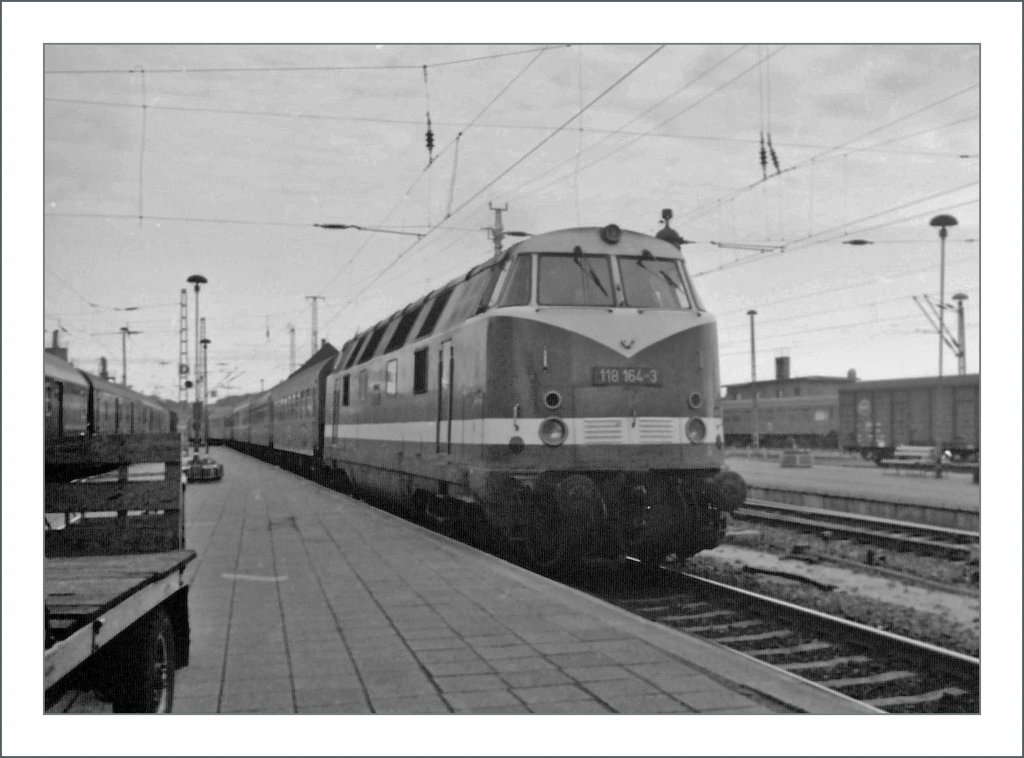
{"points": [[753, 382], [942, 221], [196, 279], [206, 406], [125, 331]]}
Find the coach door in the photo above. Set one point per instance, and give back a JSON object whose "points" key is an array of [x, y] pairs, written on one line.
{"points": [[445, 364]]}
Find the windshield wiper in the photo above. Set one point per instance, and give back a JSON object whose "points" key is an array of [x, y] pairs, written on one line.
{"points": [[578, 259], [671, 282]]}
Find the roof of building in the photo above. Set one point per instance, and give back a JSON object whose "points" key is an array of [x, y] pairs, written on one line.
{"points": [[792, 379]]}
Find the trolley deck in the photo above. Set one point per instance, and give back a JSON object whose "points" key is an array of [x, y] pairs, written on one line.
{"points": [[92, 599]]}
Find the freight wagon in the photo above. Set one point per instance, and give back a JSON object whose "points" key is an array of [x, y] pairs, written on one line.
{"points": [[875, 417]]}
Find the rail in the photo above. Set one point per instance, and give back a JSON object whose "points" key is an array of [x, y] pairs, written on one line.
{"points": [[956, 543]]}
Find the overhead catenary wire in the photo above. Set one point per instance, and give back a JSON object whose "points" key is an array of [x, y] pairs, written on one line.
{"points": [[419, 176], [808, 242], [821, 156], [142, 146], [304, 69], [455, 168], [505, 172], [522, 127], [519, 189], [763, 152], [768, 110]]}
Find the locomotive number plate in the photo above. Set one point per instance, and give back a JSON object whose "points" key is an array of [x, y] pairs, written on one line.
{"points": [[605, 375]]}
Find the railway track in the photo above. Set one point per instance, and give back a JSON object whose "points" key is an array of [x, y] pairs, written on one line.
{"points": [[886, 671], [956, 544]]}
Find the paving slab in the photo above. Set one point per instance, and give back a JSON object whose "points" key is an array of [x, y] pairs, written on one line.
{"points": [[308, 601]]}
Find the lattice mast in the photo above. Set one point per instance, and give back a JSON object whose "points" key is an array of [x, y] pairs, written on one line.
{"points": [[183, 349]]}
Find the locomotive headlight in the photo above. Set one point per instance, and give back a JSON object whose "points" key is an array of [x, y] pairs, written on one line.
{"points": [[553, 432], [696, 430]]}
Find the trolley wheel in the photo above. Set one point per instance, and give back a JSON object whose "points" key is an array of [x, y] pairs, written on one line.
{"points": [[146, 667]]}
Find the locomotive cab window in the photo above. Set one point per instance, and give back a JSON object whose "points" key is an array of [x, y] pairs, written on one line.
{"points": [[519, 285], [575, 280], [649, 282]]}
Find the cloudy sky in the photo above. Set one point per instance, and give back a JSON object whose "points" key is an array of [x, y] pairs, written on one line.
{"points": [[241, 149]]}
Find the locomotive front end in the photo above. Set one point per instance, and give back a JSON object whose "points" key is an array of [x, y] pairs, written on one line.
{"points": [[606, 361]]}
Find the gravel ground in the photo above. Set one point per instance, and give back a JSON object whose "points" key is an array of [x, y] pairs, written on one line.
{"points": [[782, 541], [942, 618]]}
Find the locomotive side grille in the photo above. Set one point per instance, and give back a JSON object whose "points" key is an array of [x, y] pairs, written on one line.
{"points": [[603, 430], [657, 430]]}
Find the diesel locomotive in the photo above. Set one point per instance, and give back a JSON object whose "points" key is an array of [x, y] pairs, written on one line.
{"points": [[564, 395]]}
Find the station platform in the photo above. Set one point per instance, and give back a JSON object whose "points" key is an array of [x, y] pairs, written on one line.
{"points": [[308, 601], [953, 501]]}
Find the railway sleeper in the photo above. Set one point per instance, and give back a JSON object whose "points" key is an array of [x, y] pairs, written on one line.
{"points": [[710, 630], [807, 647], [933, 696], [825, 664], [856, 681], [770, 635]]}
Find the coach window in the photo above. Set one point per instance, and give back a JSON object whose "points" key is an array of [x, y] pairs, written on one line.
{"points": [[364, 381], [419, 371], [519, 284], [391, 377], [344, 389], [575, 280]]}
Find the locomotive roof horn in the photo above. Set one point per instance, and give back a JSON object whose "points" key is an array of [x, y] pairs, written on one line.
{"points": [[669, 234]]}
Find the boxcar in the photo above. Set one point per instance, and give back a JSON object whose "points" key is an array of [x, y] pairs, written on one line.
{"points": [[875, 417]]}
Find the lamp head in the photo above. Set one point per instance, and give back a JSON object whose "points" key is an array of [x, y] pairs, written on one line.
{"points": [[943, 220], [197, 279]]}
